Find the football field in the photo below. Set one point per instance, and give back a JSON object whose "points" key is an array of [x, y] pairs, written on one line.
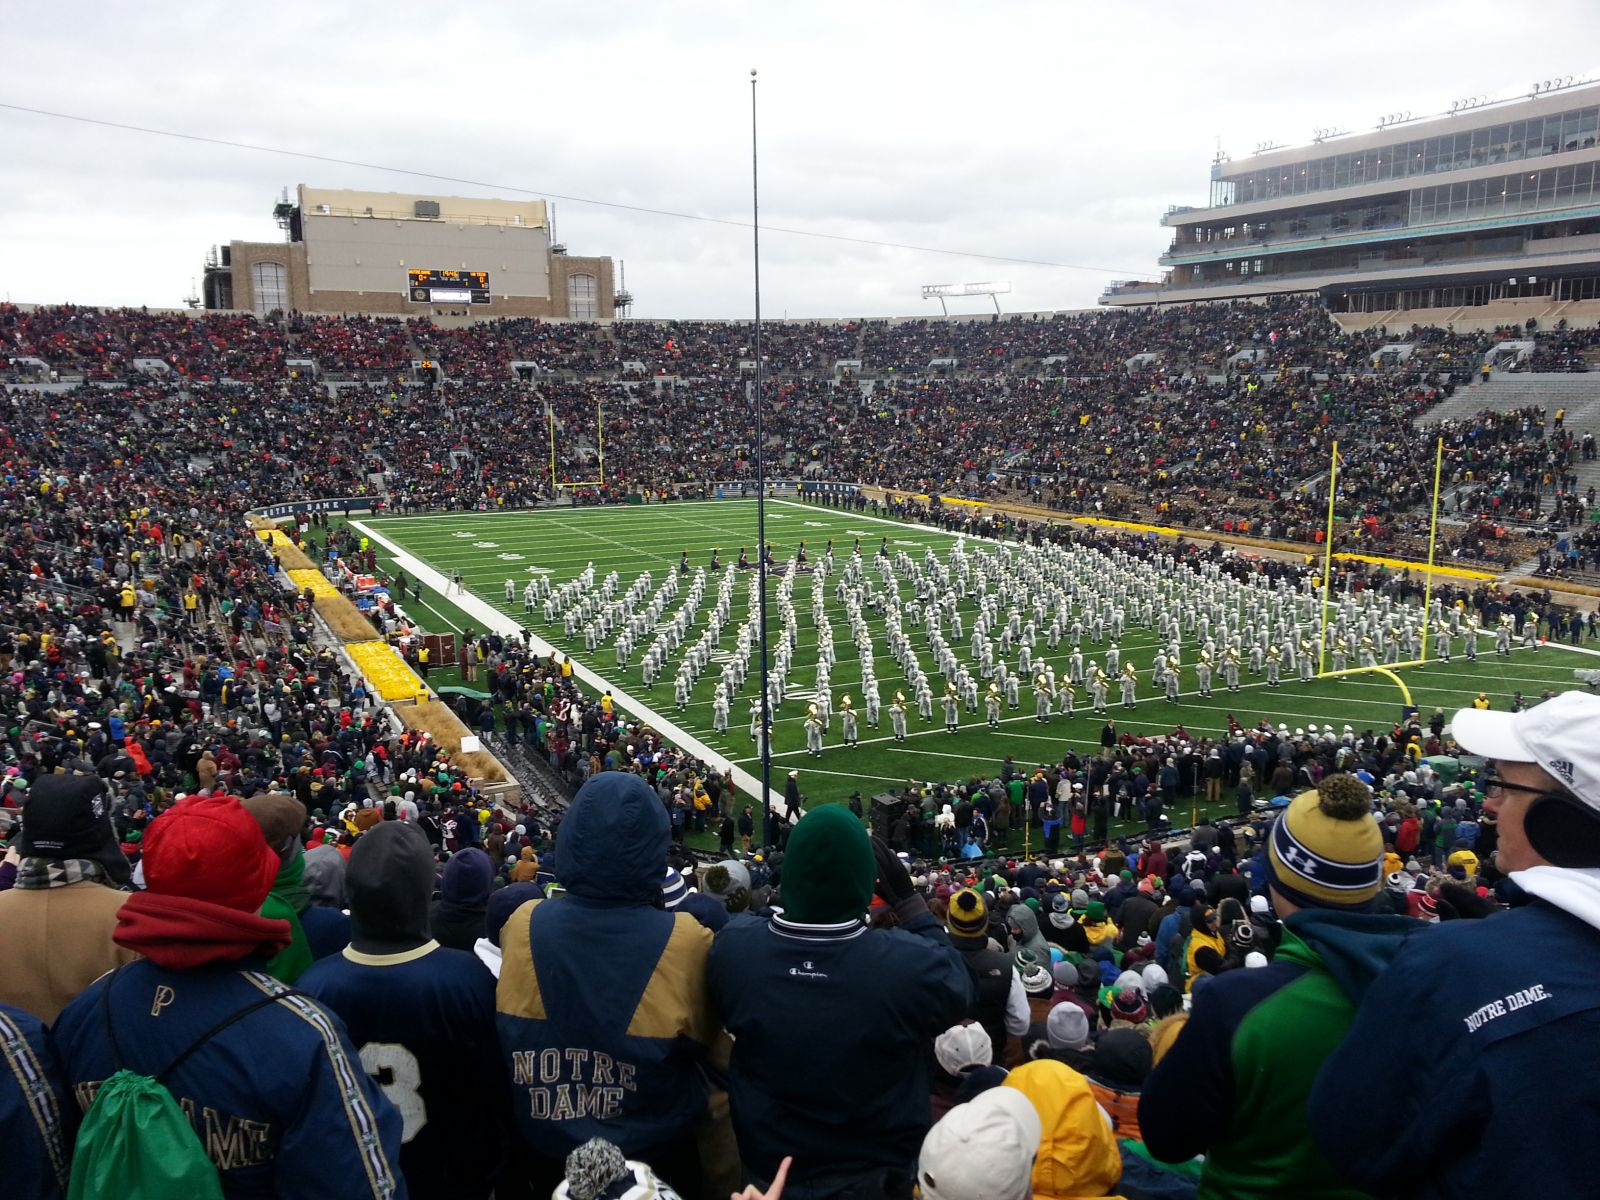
{"points": [[490, 548]]}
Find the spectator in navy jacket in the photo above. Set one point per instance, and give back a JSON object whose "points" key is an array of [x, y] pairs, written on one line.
{"points": [[848, 1098], [33, 1113], [286, 1069], [1490, 1004]]}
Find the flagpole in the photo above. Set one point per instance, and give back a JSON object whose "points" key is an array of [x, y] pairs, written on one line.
{"points": [[761, 484], [1327, 560], [1433, 535]]}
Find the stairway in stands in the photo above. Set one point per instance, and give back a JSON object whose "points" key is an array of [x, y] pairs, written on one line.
{"points": [[1579, 394], [541, 785]]}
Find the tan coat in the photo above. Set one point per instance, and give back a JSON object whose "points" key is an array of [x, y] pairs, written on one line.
{"points": [[206, 770], [56, 942], [527, 868]]}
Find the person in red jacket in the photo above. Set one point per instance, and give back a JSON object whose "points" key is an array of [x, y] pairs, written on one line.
{"points": [[1155, 860], [1408, 835]]}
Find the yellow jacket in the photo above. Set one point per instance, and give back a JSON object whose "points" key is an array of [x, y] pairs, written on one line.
{"points": [[1078, 1156], [1100, 931], [1466, 860], [1164, 1032], [1199, 939]]}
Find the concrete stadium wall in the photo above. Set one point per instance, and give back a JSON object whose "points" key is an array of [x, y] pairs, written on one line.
{"points": [[393, 300], [367, 255]]}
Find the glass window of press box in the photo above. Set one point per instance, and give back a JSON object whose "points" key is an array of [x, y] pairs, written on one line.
{"points": [[1559, 187], [1510, 142]]}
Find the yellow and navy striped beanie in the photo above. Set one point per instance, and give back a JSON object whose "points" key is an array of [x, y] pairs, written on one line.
{"points": [[968, 916], [1326, 851]]}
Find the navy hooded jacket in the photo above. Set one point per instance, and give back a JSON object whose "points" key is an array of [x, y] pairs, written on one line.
{"points": [[279, 1099], [603, 1009]]}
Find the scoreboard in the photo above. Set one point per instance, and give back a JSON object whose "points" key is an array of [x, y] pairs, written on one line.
{"points": [[448, 287]]}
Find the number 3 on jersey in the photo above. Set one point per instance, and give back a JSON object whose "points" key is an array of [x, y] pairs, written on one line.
{"points": [[398, 1074]]}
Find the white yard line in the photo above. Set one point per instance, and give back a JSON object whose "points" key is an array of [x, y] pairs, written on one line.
{"points": [[431, 608]]}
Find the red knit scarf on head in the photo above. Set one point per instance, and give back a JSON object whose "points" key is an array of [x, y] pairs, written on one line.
{"points": [[180, 933]]}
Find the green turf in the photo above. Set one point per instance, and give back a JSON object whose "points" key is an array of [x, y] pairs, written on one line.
{"points": [[633, 539]]}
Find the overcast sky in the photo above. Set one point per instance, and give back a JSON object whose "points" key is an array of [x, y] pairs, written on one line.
{"points": [[1056, 132]]}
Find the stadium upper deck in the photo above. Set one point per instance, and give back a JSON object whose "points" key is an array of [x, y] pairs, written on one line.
{"points": [[1282, 333], [1466, 208]]}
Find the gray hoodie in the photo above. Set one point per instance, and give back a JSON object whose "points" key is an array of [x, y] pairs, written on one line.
{"points": [[390, 883], [1021, 917], [324, 876]]}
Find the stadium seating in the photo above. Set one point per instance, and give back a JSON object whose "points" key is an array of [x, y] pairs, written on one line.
{"points": [[1219, 417]]}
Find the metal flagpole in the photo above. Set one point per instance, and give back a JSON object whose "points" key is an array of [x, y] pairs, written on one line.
{"points": [[1433, 534], [761, 486], [1327, 560]]}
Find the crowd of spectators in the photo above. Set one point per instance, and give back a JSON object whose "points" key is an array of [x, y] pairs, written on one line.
{"points": [[1219, 417], [200, 804], [479, 446], [1288, 333], [102, 344], [1562, 349], [583, 1006]]}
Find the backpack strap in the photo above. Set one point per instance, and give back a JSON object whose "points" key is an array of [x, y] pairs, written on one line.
{"points": [[161, 1076], [241, 1014], [105, 1016]]}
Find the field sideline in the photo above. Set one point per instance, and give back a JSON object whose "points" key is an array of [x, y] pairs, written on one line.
{"points": [[488, 548]]}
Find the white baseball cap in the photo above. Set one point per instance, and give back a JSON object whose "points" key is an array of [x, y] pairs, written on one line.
{"points": [[962, 1047], [1558, 736], [982, 1150]]}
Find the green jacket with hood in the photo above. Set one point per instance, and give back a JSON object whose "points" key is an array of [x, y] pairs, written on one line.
{"points": [[1235, 1084]]}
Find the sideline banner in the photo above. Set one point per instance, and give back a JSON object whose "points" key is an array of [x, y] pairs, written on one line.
{"points": [[272, 512]]}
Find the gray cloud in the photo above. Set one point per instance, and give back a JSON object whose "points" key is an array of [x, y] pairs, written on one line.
{"points": [[1031, 129]]}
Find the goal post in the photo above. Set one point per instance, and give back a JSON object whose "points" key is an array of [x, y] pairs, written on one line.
{"points": [[1429, 570], [1390, 671]]}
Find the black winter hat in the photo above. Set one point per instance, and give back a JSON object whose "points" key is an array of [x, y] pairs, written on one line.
{"points": [[69, 816]]}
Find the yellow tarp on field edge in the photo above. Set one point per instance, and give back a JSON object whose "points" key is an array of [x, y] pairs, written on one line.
{"points": [[309, 577], [385, 670]]}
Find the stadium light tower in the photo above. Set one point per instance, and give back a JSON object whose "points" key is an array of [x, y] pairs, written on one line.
{"points": [[757, 397], [993, 289]]}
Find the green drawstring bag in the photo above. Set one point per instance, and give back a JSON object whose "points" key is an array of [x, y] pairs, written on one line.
{"points": [[135, 1142]]}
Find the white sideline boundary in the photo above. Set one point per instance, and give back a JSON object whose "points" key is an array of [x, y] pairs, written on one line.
{"points": [[492, 619]]}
